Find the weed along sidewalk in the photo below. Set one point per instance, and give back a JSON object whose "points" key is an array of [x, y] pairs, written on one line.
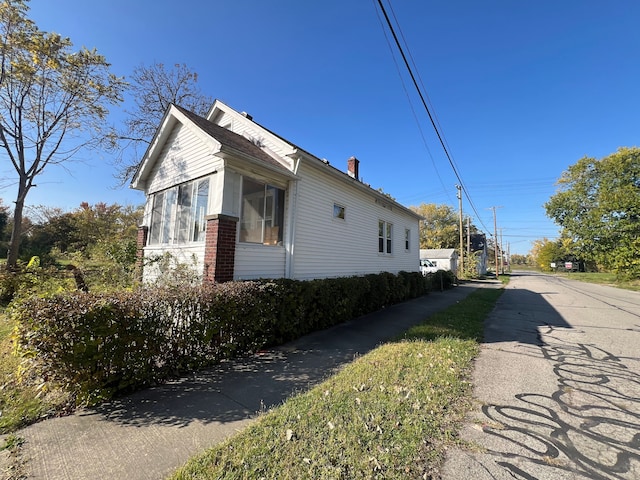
{"points": [[148, 435]]}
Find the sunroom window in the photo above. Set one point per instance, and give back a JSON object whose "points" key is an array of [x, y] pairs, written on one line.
{"points": [[178, 214], [262, 217]]}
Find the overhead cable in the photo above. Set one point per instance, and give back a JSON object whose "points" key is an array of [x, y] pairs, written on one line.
{"points": [[426, 107]]}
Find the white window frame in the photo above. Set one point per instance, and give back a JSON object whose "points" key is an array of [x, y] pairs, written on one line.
{"points": [[385, 237], [339, 212], [176, 222], [266, 220]]}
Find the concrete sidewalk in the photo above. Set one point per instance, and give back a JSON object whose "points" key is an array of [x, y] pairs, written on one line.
{"points": [[149, 434]]}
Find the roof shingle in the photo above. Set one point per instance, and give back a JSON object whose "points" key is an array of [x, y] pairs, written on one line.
{"points": [[231, 139]]}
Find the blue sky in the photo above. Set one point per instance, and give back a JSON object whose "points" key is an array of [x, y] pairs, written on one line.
{"points": [[521, 90]]}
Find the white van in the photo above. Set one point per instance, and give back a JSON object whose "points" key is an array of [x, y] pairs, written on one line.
{"points": [[427, 266]]}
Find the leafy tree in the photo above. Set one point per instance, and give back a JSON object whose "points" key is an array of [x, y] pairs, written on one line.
{"points": [[545, 252], [440, 227], [153, 89], [598, 207], [83, 231], [96, 242], [4, 221], [50, 228], [53, 102], [517, 259]]}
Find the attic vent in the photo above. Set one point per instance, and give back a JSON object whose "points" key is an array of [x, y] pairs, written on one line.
{"points": [[245, 114]]}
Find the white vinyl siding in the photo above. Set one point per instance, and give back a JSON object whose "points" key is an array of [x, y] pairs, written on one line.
{"points": [[259, 261], [189, 256], [184, 157], [327, 248]]}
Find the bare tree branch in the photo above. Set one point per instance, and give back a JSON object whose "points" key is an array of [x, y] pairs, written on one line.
{"points": [[153, 88]]}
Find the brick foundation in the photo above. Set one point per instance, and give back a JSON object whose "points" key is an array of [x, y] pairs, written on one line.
{"points": [[220, 248]]}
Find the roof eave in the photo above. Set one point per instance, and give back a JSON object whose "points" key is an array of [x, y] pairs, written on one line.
{"points": [[346, 178], [227, 152]]}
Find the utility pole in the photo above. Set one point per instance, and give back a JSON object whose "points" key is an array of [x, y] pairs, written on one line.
{"points": [[501, 254], [495, 237], [468, 236], [461, 267]]}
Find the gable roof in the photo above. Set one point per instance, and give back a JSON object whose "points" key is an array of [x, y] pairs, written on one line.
{"points": [[230, 142], [297, 151], [225, 140], [445, 253], [230, 139]]}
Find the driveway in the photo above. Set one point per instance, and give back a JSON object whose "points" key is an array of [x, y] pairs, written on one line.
{"points": [[557, 385]]}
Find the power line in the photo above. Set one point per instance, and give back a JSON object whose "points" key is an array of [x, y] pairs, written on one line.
{"points": [[413, 111], [426, 107], [417, 71]]}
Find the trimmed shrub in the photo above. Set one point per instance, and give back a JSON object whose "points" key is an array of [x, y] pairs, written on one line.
{"points": [[104, 344], [441, 280]]}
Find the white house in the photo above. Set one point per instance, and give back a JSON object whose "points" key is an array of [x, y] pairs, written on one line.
{"points": [[442, 258], [245, 203]]}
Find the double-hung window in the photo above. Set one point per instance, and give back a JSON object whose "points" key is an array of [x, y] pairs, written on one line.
{"points": [[178, 214], [262, 217], [385, 237]]}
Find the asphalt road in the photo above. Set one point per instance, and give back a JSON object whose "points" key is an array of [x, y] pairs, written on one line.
{"points": [[557, 385]]}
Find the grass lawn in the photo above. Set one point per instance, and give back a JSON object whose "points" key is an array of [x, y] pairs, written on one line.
{"points": [[389, 414], [603, 279]]}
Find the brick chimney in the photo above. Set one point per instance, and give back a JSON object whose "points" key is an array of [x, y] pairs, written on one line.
{"points": [[353, 168]]}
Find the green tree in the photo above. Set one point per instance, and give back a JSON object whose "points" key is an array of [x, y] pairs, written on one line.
{"points": [[4, 222], [545, 252], [106, 237], [598, 207], [99, 241], [440, 227], [517, 259], [153, 89], [53, 102], [85, 230], [49, 228]]}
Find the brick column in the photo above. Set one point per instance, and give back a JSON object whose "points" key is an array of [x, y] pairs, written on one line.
{"points": [[220, 248], [141, 241]]}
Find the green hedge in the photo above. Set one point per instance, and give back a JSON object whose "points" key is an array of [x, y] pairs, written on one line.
{"points": [[104, 344]]}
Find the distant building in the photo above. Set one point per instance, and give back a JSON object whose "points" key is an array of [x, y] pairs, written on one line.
{"points": [[442, 258]]}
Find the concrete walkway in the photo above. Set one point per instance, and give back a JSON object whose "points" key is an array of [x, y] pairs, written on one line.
{"points": [[149, 434]]}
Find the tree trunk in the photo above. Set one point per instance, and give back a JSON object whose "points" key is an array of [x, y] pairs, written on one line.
{"points": [[16, 230]]}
